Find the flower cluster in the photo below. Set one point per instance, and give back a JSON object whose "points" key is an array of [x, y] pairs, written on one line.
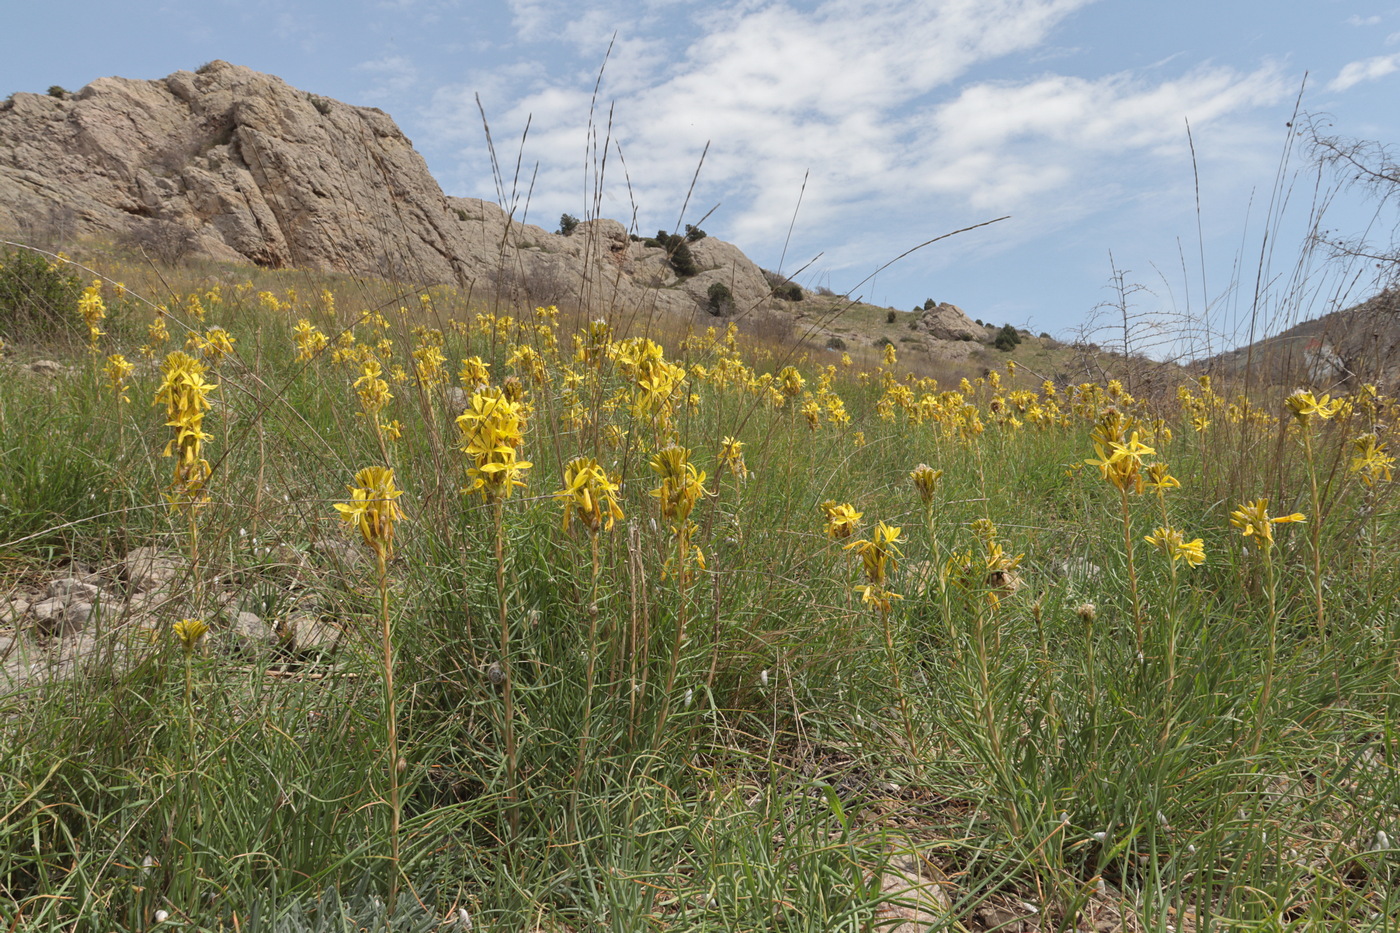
{"points": [[1253, 520], [492, 433], [185, 394], [879, 557], [590, 494], [373, 510]]}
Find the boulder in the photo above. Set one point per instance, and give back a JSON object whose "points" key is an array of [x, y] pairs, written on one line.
{"points": [[238, 165], [949, 322]]}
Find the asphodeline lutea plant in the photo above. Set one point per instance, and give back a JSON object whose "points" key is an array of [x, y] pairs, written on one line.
{"points": [[1370, 459], [879, 557], [1120, 462], [682, 486], [94, 311], [1253, 521], [492, 435], [374, 512], [185, 394], [189, 633], [590, 496], [1307, 410], [309, 340]]}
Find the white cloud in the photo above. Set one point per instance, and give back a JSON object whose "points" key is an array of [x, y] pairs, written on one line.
{"points": [[1354, 20], [1367, 69], [865, 96], [392, 74]]}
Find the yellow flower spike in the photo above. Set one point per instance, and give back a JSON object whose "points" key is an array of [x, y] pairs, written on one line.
{"points": [[1174, 545], [926, 482], [1253, 520], [189, 632], [492, 431], [309, 340], [842, 519], [91, 307], [590, 494], [475, 373], [1372, 461], [1159, 479], [681, 484], [731, 456], [373, 509], [880, 554], [117, 370], [791, 381]]}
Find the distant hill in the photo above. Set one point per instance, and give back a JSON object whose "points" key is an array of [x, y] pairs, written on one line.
{"points": [[237, 165], [1342, 349]]}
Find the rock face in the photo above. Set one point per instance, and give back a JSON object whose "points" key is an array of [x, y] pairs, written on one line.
{"points": [[949, 322], [238, 165]]}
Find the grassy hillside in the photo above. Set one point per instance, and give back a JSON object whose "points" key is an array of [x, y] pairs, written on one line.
{"points": [[666, 629]]}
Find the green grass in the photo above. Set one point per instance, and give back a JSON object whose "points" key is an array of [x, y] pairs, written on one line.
{"points": [[1052, 767]]}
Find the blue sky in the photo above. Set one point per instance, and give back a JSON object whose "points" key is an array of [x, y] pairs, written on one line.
{"points": [[906, 120]]}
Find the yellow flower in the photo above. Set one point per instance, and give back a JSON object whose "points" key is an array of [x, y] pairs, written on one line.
{"points": [[1372, 460], [214, 344], [1253, 520], [877, 596], [681, 484], [492, 431], [880, 554], [1304, 406], [842, 519], [1120, 463], [590, 494], [186, 398], [791, 381], [92, 309], [309, 340], [731, 456], [475, 373], [190, 631], [373, 391], [1159, 479], [1173, 544], [116, 371], [372, 509]]}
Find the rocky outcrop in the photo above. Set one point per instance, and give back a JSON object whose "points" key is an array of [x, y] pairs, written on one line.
{"points": [[948, 322], [238, 165]]}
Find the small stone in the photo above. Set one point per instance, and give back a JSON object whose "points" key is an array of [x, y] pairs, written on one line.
{"points": [[148, 567], [76, 617], [308, 633], [48, 609], [339, 552], [248, 631], [13, 611], [45, 368], [73, 587]]}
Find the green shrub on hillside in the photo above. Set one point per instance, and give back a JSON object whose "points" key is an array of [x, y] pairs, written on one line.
{"points": [[38, 300]]}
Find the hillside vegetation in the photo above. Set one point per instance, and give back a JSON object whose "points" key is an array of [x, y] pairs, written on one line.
{"points": [[334, 604]]}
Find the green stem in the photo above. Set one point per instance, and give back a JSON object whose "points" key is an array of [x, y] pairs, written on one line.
{"points": [[1132, 570], [391, 719], [1316, 535], [592, 662], [507, 689], [1267, 689]]}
